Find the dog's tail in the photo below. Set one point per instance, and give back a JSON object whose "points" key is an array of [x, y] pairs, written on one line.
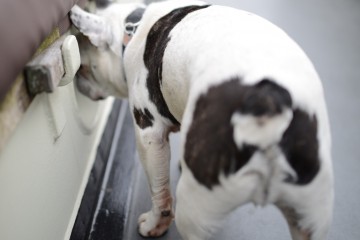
{"points": [[260, 120], [264, 113]]}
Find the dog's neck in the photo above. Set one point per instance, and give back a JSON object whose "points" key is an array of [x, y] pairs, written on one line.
{"points": [[131, 24]]}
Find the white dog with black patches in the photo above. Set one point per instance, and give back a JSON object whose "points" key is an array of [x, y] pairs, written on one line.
{"points": [[247, 100]]}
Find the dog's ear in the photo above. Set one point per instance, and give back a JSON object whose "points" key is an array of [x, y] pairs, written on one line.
{"points": [[92, 26]]}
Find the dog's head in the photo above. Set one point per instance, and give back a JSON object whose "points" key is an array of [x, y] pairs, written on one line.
{"points": [[100, 39]]}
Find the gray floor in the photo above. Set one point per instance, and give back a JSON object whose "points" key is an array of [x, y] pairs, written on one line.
{"points": [[329, 31]]}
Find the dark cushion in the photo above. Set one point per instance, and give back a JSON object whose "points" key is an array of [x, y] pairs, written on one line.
{"points": [[23, 26]]}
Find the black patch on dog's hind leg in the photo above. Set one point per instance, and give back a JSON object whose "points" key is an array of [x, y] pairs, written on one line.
{"points": [[301, 147], [144, 118], [210, 148]]}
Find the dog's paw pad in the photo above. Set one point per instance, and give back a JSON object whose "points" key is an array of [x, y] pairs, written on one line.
{"points": [[151, 225]]}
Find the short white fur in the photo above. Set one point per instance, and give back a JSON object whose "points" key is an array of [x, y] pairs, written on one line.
{"points": [[204, 51]]}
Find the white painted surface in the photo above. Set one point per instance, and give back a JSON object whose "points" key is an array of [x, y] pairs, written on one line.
{"points": [[46, 164]]}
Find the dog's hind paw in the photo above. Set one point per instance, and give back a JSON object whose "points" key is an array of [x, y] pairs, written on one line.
{"points": [[154, 225]]}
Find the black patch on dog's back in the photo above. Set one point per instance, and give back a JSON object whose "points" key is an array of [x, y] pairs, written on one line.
{"points": [[135, 16], [156, 43], [300, 146], [101, 4], [210, 148], [144, 118]]}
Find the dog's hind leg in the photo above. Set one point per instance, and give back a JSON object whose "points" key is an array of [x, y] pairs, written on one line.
{"points": [[308, 209], [200, 211], [196, 217], [297, 232], [154, 151], [299, 224]]}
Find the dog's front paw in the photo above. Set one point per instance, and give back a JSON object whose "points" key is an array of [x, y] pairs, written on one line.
{"points": [[155, 224]]}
